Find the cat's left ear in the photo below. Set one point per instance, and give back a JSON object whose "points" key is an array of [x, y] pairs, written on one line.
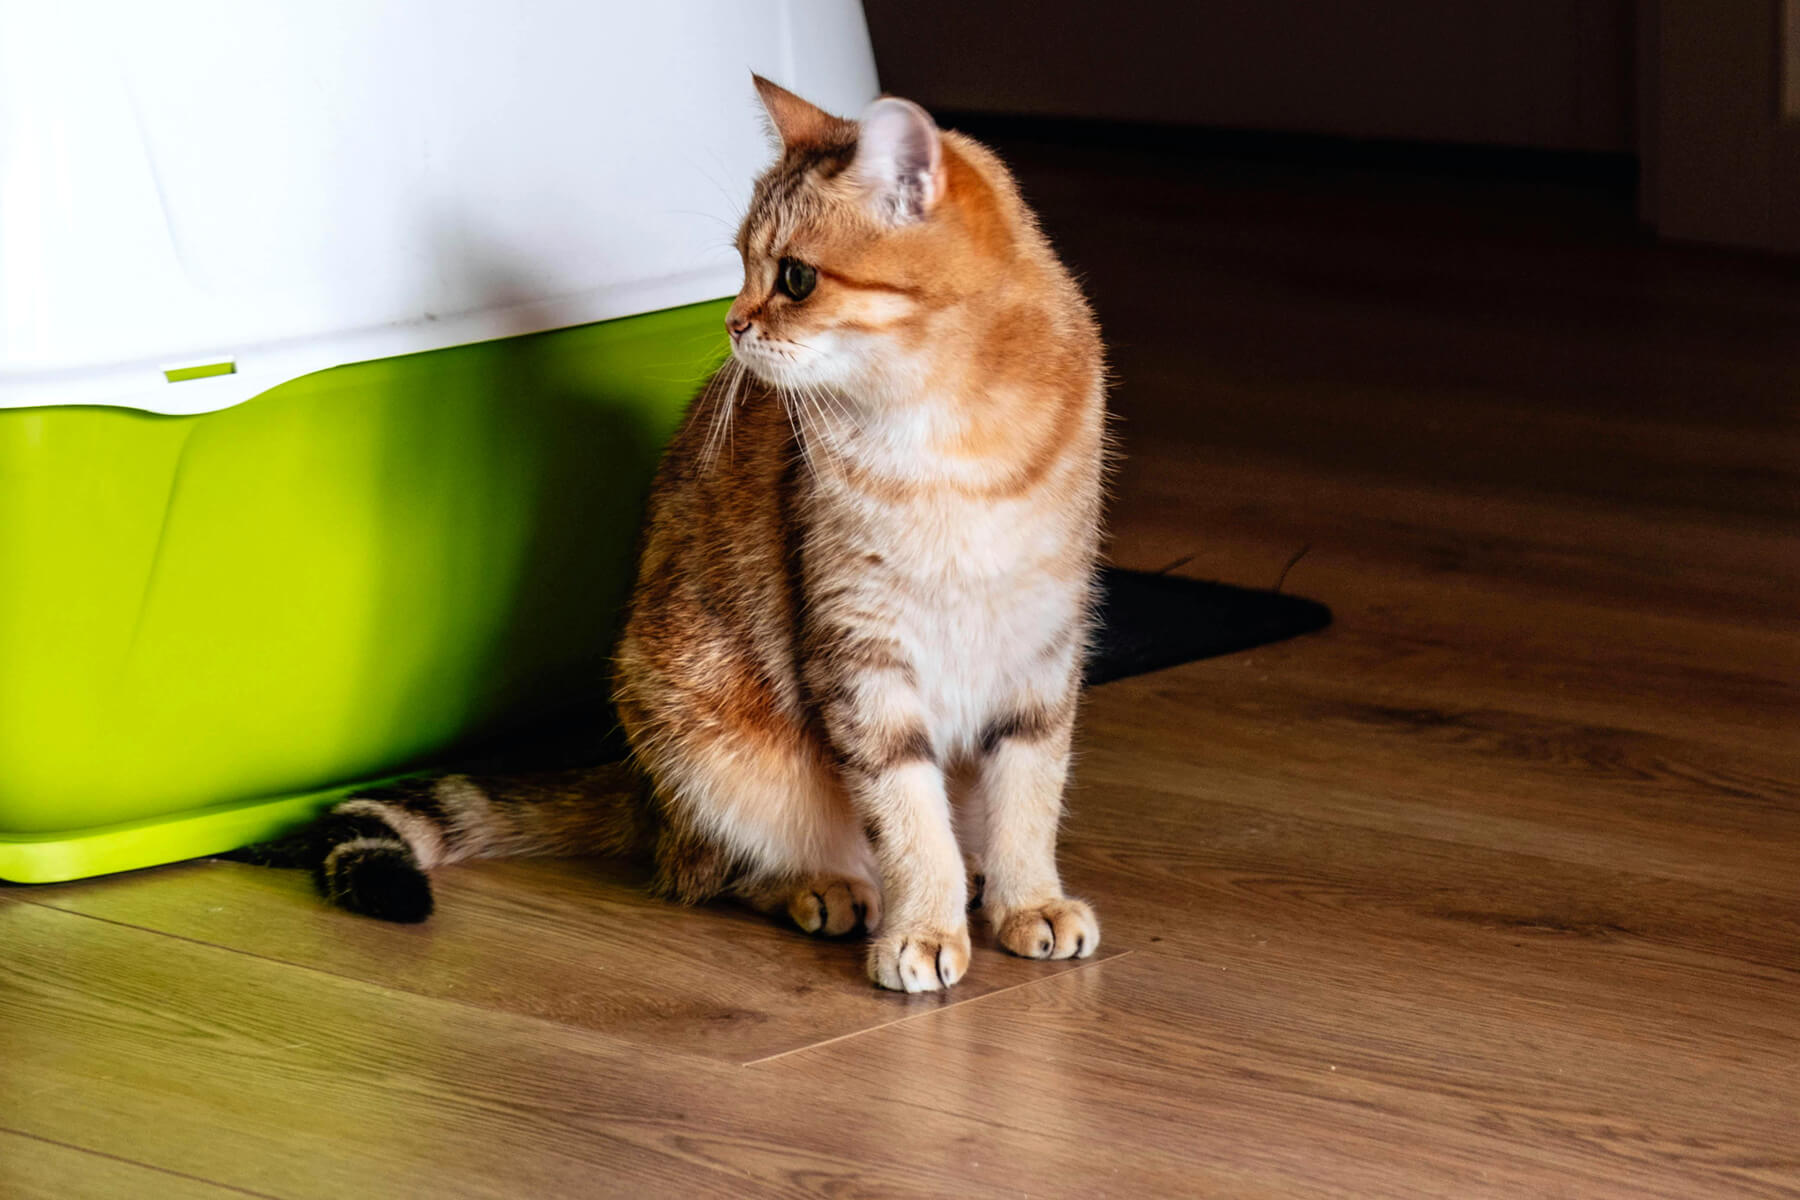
{"points": [[899, 160], [794, 121]]}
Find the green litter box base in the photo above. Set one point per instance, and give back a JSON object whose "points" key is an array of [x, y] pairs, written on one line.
{"points": [[212, 625], [153, 841]]}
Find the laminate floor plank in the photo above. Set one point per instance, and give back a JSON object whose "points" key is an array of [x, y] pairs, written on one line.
{"points": [[1485, 778], [1177, 845]]}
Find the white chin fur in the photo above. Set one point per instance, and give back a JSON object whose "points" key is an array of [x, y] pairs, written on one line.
{"points": [[786, 364], [777, 373]]}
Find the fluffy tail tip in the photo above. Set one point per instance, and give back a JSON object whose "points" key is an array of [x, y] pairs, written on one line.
{"points": [[379, 879]]}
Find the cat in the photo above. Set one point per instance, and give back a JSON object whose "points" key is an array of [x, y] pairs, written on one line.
{"points": [[850, 665]]}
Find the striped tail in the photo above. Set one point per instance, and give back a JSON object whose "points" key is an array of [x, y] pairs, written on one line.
{"points": [[370, 853]]}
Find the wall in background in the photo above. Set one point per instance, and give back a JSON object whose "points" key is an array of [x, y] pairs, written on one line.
{"points": [[1549, 74], [1790, 60], [1722, 148]]}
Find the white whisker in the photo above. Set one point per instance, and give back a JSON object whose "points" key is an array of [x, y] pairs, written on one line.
{"points": [[723, 389], [787, 408], [815, 401]]}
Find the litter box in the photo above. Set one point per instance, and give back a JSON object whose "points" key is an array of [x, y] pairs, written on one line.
{"points": [[338, 344]]}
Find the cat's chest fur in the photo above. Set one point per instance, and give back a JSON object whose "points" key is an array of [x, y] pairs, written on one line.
{"points": [[981, 596]]}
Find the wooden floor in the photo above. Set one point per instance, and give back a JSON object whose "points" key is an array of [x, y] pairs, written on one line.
{"points": [[1493, 889]]}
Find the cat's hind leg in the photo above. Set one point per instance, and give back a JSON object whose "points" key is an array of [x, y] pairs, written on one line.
{"points": [[771, 830]]}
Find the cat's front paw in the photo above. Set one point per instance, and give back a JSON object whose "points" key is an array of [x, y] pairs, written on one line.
{"points": [[1060, 928], [920, 960]]}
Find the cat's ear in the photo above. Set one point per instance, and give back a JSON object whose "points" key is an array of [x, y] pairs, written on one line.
{"points": [[899, 160], [793, 120]]}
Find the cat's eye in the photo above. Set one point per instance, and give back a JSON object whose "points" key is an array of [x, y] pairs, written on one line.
{"points": [[795, 279]]}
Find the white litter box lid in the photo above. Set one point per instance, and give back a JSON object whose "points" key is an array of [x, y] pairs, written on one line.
{"points": [[288, 185]]}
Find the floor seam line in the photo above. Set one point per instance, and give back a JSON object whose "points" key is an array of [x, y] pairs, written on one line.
{"points": [[855, 1033], [132, 1162]]}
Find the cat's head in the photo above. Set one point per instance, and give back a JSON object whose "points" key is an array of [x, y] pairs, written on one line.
{"points": [[858, 241]]}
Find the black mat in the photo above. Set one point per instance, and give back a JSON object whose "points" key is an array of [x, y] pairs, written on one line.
{"points": [[1148, 622]]}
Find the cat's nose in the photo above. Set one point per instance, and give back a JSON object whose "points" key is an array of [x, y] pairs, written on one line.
{"points": [[736, 324]]}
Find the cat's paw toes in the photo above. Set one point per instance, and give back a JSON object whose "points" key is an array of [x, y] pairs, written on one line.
{"points": [[920, 960], [1060, 928], [833, 906]]}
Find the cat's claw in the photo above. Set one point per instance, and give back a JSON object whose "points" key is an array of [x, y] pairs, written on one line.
{"points": [[920, 961], [1060, 928]]}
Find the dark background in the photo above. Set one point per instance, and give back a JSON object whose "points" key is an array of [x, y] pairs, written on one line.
{"points": [[1697, 100]]}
